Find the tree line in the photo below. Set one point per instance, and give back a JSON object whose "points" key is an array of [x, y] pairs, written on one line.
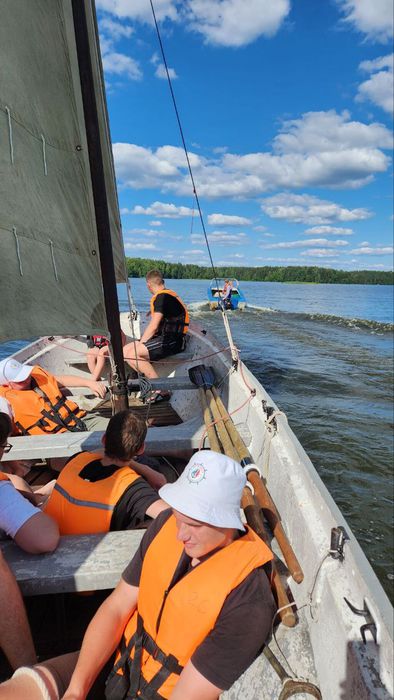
{"points": [[138, 267]]}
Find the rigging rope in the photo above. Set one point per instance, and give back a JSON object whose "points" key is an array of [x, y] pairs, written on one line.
{"points": [[224, 315]]}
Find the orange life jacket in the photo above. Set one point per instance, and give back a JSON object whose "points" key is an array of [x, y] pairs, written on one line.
{"points": [[85, 507], [43, 408], [171, 622], [3, 476], [175, 324]]}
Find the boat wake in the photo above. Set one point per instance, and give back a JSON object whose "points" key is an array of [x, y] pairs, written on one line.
{"points": [[201, 309]]}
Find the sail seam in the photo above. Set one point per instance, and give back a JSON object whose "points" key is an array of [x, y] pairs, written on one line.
{"points": [[54, 261], [18, 252], [10, 134]]}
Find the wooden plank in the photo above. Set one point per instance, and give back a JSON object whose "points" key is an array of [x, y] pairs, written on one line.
{"points": [[80, 563], [159, 441]]}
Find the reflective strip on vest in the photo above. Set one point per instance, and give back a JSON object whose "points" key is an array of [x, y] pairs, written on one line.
{"points": [[79, 502]]}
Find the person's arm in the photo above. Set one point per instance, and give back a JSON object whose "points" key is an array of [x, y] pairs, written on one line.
{"points": [[156, 508], [152, 327], [66, 380], [38, 535], [154, 478], [32, 530], [193, 686], [15, 636], [101, 639]]}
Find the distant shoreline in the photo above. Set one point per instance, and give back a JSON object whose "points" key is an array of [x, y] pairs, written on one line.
{"points": [[138, 267]]}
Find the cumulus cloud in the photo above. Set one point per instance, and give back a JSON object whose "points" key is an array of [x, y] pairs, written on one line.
{"points": [[321, 242], [327, 230], [226, 220], [139, 10], [140, 246], [318, 253], [379, 87], [374, 18], [221, 238], [221, 22], [308, 209], [161, 72], [382, 250], [163, 210], [155, 223], [115, 63], [235, 22], [321, 149]]}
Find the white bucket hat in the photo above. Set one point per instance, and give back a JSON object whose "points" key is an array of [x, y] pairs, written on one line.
{"points": [[13, 371], [209, 489]]}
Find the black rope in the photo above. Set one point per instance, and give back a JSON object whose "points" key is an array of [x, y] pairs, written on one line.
{"points": [[184, 143]]}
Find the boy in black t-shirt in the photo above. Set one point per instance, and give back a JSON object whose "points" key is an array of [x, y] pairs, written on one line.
{"points": [[165, 333]]}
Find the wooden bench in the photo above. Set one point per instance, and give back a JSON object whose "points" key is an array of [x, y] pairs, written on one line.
{"points": [[159, 441], [80, 563]]}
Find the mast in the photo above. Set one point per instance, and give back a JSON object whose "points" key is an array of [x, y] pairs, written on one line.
{"points": [[100, 199]]}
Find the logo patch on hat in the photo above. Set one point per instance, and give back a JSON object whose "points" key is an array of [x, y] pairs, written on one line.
{"points": [[196, 473]]}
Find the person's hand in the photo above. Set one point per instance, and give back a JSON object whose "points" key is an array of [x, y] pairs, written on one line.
{"points": [[99, 388]]}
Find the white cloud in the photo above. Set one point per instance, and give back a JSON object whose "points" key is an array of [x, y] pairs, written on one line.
{"points": [[308, 209], [155, 223], [235, 22], [120, 64], [164, 210], [194, 251], [139, 10], [317, 253], [161, 72], [140, 246], [226, 220], [379, 87], [268, 235], [115, 30], [327, 230], [321, 149], [259, 228], [221, 238], [321, 242], [374, 18], [383, 250]]}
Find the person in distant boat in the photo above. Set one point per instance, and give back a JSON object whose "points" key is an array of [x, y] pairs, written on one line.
{"points": [[226, 294], [164, 335], [192, 609], [98, 493], [37, 402], [20, 518], [97, 354]]}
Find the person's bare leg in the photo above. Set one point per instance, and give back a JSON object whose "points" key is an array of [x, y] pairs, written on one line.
{"points": [[100, 363], [15, 636], [136, 355], [91, 359]]}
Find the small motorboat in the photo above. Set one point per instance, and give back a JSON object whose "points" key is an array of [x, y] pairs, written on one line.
{"points": [[225, 293]]}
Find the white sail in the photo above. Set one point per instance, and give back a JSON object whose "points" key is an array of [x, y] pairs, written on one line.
{"points": [[50, 271]]}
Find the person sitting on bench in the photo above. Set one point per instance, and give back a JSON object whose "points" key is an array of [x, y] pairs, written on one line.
{"points": [[32, 530], [98, 493], [37, 402], [191, 612], [164, 335]]}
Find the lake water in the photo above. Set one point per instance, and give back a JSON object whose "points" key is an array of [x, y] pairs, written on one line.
{"points": [[325, 355]]}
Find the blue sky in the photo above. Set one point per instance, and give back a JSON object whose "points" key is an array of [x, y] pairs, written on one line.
{"points": [[287, 109]]}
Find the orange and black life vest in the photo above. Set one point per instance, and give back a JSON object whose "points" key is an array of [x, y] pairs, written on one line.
{"points": [[171, 622], [4, 477], [175, 324], [83, 507], [43, 408]]}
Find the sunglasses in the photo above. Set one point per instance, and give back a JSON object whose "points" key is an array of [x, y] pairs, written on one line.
{"points": [[6, 448]]}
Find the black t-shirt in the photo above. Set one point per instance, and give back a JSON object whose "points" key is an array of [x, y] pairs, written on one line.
{"points": [[172, 310], [243, 624], [129, 512]]}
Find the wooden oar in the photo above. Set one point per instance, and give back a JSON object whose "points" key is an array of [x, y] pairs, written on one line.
{"points": [[253, 518], [260, 489], [252, 512]]}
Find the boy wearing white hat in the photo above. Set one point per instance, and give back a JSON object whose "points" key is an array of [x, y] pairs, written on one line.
{"points": [[192, 609]]}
